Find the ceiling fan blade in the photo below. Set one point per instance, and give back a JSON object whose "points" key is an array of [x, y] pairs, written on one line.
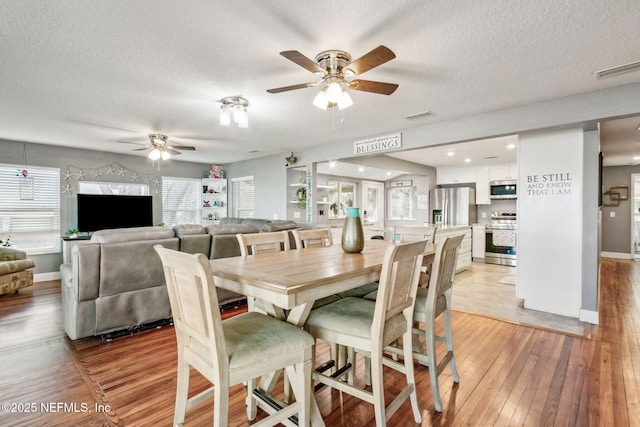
{"points": [[181, 147], [303, 61], [294, 87], [172, 151], [375, 87], [377, 56], [142, 149]]}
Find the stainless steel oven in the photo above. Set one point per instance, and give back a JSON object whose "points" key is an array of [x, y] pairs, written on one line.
{"points": [[500, 239]]}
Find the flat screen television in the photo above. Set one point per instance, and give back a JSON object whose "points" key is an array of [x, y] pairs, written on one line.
{"points": [[103, 211]]}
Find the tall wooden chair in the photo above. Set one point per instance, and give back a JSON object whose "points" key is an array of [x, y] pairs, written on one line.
{"points": [[431, 303], [253, 243], [231, 351], [369, 326], [315, 237]]}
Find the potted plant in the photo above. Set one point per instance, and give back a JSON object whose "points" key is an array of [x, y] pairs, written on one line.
{"points": [[73, 233], [301, 196], [6, 243]]}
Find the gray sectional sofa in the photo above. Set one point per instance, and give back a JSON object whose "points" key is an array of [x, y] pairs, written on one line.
{"points": [[115, 281]]}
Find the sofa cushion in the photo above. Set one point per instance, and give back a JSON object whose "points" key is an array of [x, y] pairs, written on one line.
{"points": [[231, 220], [188, 229], [280, 225], [218, 229], [259, 223], [7, 267], [134, 234]]}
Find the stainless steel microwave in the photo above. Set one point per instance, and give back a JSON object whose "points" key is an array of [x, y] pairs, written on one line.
{"points": [[506, 189]]}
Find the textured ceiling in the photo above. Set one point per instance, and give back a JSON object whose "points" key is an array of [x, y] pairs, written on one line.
{"points": [[90, 73]]}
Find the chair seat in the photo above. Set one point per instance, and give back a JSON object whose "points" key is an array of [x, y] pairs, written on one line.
{"points": [[421, 304], [350, 318], [360, 291], [252, 338]]}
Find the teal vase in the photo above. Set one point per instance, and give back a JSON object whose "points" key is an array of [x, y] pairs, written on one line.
{"points": [[352, 232]]}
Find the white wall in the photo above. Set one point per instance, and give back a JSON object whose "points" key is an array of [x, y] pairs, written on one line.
{"points": [[549, 273]]}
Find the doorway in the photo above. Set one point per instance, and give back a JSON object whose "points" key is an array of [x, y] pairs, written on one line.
{"points": [[635, 215], [373, 203]]}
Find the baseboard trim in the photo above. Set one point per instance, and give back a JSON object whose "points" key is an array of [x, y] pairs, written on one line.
{"points": [[589, 316], [617, 255], [46, 277]]}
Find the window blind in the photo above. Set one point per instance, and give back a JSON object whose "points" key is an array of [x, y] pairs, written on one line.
{"points": [[180, 201], [30, 208], [243, 197]]}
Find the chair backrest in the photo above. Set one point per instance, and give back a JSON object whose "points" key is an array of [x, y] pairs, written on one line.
{"points": [[254, 243], [398, 285], [411, 234], [194, 305], [316, 237], [443, 269]]}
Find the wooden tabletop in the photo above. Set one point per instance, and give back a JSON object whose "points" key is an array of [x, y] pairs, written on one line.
{"points": [[289, 279]]}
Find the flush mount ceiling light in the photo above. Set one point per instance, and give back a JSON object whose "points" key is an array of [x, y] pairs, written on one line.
{"points": [[336, 70], [235, 106]]}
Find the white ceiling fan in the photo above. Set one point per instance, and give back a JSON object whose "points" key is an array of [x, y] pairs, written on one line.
{"points": [[160, 148]]}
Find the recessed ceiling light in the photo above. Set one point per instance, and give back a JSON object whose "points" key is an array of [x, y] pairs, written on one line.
{"points": [[636, 157], [332, 164], [388, 173], [511, 146], [451, 153], [361, 169], [467, 160]]}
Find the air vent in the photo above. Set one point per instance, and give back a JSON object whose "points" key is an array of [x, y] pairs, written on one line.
{"points": [[418, 116], [254, 151], [614, 71], [491, 157]]}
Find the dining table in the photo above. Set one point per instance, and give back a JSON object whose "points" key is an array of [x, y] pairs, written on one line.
{"points": [[288, 282]]}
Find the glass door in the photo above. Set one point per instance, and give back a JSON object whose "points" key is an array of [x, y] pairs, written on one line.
{"points": [[372, 210]]}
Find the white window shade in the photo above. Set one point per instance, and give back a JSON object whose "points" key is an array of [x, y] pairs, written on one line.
{"points": [[180, 201], [243, 197], [30, 208]]}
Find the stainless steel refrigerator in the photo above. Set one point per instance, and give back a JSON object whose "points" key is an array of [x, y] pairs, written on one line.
{"points": [[453, 206]]}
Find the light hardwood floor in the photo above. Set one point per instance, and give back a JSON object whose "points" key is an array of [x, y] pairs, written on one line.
{"points": [[511, 375], [489, 290]]}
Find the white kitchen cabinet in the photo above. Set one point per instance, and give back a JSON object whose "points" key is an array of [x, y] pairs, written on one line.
{"points": [[482, 186], [464, 256], [214, 200], [502, 172], [477, 242], [455, 175]]}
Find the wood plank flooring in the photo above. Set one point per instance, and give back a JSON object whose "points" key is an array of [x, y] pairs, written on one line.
{"points": [[511, 375]]}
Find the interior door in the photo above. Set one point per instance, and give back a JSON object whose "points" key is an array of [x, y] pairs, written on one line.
{"points": [[372, 211]]}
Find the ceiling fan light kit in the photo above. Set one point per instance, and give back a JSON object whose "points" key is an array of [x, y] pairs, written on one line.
{"points": [[235, 106], [335, 68]]}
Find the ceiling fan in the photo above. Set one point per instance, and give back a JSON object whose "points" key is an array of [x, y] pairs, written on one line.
{"points": [[337, 73], [159, 148]]}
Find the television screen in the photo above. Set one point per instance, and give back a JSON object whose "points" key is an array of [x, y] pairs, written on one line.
{"points": [[102, 211]]}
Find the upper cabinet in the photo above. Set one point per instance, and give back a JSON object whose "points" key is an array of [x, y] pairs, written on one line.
{"points": [[481, 176], [482, 185], [455, 175], [502, 172]]}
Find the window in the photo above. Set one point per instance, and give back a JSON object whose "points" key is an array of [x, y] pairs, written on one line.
{"points": [[401, 203], [116, 188], [242, 197], [180, 201], [341, 197], [30, 208]]}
